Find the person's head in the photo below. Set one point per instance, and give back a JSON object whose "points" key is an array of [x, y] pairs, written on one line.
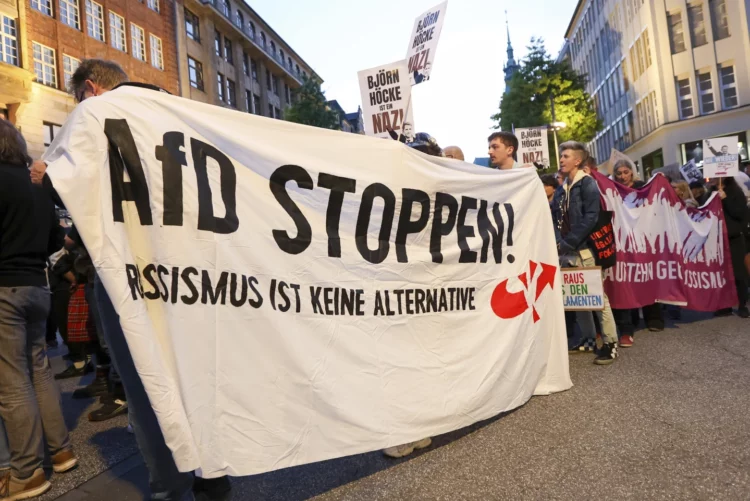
{"points": [[573, 156], [623, 171], [560, 177], [697, 189], [94, 77], [502, 149], [550, 184], [13, 150], [589, 165], [426, 144], [683, 190], [408, 130], [725, 150], [453, 152]]}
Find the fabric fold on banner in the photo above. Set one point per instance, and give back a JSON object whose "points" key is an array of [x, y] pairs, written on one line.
{"points": [[292, 294], [666, 252]]}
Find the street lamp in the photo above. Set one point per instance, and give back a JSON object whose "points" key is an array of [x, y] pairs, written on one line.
{"points": [[555, 126]]}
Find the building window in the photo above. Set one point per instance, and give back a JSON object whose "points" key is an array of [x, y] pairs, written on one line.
{"points": [[270, 110], [288, 94], [263, 40], [706, 92], [192, 26], [117, 31], [251, 29], [268, 80], [9, 41], [70, 64], [697, 24], [50, 131], [228, 53], [157, 54], [195, 70], [278, 113], [43, 6], [153, 5], [304, 75], [95, 20], [217, 43], [248, 101], [256, 104], [728, 86], [231, 94], [254, 70], [275, 81], [227, 8], [281, 55], [719, 18], [289, 60], [69, 13], [245, 64], [685, 98], [220, 89], [138, 39], [647, 48], [676, 37], [296, 67], [45, 66], [239, 21]]}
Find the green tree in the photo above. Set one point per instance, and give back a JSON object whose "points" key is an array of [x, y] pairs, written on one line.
{"points": [[309, 107], [531, 91]]}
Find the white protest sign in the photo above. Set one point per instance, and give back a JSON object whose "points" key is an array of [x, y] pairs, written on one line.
{"points": [[423, 43], [386, 102], [720, 157], [691, 172], [583, 289], [291, 294], [533, 149]]}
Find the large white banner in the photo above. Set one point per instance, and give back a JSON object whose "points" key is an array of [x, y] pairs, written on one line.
{"points": [[293, 294], [423, 43], [533, 149], [386, 102]]}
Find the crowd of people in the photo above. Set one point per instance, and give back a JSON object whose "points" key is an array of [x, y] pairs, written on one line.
{"points": [[48, 284]]}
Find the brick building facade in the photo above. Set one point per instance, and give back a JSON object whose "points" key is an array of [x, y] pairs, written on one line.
{"points": [[53, 36]]}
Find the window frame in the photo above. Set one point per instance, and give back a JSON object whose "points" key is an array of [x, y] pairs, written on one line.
{"points": [[687, 97], [43, 6], [693, 9], [52, 128], [220, 88], [153, 5], [92, 22], [70, 6], [69, 69], [228, 51], [730, 86], [44, 65], [9, 51], [673, 43], [218, 47], [192, 20], [231, 93], [157, 51], [138, 34], [197, 69], [703, 93], [114, 31], [720, 32]]}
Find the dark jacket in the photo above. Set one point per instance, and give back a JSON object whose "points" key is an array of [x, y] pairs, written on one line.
{"points": [[735, 210], [575, 210], [29, 229]]}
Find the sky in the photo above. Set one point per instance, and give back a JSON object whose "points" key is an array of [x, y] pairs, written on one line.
{"points": [[338, 38]]}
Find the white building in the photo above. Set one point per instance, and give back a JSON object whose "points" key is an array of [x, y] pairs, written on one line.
{"points": [[664, 74]]}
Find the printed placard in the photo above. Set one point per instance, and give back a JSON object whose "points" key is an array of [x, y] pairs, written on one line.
{"points": [[583, 289], [533, 149], [691, 172], [423, 43], [386, 102], [720, 157]]}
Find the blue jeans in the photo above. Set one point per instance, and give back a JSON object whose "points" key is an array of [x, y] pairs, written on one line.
{"points": [[166, 482], [4, 450], [30, 404]]}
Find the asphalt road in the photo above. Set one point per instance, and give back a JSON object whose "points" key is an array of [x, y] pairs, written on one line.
{"points": [[669, 420]]}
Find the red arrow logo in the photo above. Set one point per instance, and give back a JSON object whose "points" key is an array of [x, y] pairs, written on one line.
{"points": [[509, 305]]}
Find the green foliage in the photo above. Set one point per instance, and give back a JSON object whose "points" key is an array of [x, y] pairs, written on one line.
{"points": [[527, 102], [309, 107]]}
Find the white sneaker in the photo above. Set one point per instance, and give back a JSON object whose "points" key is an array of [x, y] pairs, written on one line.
{"points": [[404, 450]]}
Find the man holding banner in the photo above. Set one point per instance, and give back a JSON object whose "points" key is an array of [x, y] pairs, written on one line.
{"points": [[576, 213]]}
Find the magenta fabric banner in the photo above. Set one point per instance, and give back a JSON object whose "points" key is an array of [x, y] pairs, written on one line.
{"points": [[666, 252]]}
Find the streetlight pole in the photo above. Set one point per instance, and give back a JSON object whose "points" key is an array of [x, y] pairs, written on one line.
{"points": [[554, 132]]}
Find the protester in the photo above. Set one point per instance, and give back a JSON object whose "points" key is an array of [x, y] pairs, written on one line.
{"points": [[454, 152], [698, 189], [625, 174], [576, 213], [30, 406], [590, 165], [94, 77], [426, 144], [550, 186], [683, 191], [503, 147], [560, 178], [736, 219]]}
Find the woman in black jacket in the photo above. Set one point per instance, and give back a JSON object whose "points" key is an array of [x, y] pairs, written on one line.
{"points": [[736, 216]]}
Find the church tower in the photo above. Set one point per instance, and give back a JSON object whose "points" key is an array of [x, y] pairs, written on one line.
{"points": [[511, 66]]}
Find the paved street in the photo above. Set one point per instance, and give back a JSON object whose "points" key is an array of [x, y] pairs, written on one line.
{"points": [[668, 421]]}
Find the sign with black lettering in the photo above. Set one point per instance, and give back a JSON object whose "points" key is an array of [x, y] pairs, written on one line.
{"points": [[386, 102], [287, 288], [533, 149], [423, 41]]}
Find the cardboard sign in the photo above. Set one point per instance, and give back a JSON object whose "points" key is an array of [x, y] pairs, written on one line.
{"points": [[691, 172], [533, 149], [582, 289], [386, 102], [423, 43], [720, 157]]}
